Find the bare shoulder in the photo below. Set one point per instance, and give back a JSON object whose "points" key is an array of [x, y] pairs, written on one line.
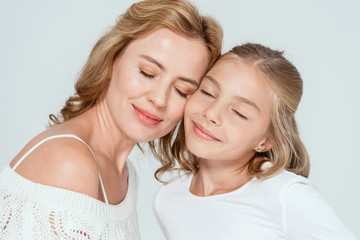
{"points": [[62, 162]]}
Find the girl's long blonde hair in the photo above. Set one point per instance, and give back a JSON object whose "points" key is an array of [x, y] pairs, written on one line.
{"points": [[288, 152]]}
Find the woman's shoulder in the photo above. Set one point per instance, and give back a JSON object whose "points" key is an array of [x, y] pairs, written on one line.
{"points": [[62, 161]]}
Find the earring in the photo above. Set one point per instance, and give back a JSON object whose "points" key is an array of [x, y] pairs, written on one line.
{"points": [[258, 150]]}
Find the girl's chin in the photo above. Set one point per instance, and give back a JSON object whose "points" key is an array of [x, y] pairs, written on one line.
{"points": [[200, 153]]}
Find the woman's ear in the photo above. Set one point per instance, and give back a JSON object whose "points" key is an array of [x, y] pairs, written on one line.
{"points": [[264, 145]]}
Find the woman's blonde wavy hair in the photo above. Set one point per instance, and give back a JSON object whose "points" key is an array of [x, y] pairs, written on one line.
{"points": [[287, 152], [139, 20]]}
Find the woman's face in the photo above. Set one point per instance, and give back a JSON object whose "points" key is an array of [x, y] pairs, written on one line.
{"points": [[151, 82], [228, 117]]}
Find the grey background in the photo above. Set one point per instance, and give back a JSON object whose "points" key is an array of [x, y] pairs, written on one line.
{"points": [[44, 44]]}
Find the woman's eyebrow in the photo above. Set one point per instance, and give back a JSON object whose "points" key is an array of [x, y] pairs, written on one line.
{"points": [[192, 82], [152, 60]]}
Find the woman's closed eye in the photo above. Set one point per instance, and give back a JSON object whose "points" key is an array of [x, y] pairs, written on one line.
{"points": [[184, 95], [239, 114], [147, 75]]}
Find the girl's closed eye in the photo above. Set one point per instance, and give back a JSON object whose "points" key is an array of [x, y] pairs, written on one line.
{"points": [[206, 93], [239, 114]]}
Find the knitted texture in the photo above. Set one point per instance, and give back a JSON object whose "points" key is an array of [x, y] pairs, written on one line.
{"points": [[30, 210]]}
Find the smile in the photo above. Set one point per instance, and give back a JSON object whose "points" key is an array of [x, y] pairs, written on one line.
{"points": [[146, 117], [202, 133]]}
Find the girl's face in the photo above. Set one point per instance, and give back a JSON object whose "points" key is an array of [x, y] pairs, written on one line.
{"points": [[228, 116], [151, 81]]}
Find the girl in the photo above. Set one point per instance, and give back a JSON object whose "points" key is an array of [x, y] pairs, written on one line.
{"points": [[246, 166]]}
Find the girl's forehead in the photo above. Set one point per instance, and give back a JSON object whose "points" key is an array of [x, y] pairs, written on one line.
{"points": [[234, 60], [232, 65]]}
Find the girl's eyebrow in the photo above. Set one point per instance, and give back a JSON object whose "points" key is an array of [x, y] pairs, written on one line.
{"points": [[213, 80], [238, 98], [247, 101]]}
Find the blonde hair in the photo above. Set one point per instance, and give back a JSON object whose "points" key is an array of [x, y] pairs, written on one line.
{"points": [[287, 152], [140, 19]]}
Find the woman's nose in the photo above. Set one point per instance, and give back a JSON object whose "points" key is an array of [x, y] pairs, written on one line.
{"points": [[158, 95]]}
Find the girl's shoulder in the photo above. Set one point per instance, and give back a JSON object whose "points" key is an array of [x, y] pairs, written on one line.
{"points": [[178, 184], [180, 178], [283, 179], [287, 178], [278, 186]]}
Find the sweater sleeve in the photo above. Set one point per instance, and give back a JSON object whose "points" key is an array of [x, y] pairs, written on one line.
{"points": [[307, 216]]}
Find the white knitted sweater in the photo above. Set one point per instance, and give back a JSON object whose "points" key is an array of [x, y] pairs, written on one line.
{"points": [[29, 210]]}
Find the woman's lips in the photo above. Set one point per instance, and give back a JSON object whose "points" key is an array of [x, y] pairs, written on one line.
{"points": [[146, 117], [201, 132]]}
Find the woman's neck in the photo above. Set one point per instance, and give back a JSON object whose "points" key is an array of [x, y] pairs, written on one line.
{"points": [[109, 143], [219, 177]]}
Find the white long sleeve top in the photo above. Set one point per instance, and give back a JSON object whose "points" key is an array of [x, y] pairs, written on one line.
{"points": [[283, 207]]}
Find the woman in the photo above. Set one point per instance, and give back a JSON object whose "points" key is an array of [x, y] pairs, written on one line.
{"points": [[246, 166], [72, 181]]}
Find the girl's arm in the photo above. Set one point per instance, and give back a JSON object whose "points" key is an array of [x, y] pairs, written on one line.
{"points": [[307, 216]]}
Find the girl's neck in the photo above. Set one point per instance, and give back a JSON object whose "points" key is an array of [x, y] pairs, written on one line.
{"points": [[219, 177]]}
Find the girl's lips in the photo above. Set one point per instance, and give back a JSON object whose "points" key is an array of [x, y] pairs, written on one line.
{"points": [[201, 132], [146, 117]]}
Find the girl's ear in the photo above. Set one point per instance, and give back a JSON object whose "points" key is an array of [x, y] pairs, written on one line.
{"points": [[264, 145]]}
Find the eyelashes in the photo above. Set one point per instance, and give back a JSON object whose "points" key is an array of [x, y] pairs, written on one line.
{"points": [[235, 111], [181, 93], [206, 93], [150, 76], [239, 114], [147, 75]]}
